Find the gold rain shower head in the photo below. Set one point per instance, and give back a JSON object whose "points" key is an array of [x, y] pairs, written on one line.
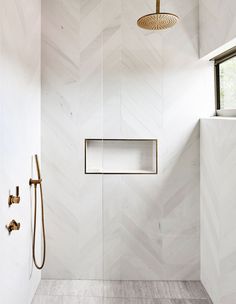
{"points": [[158, 20]]}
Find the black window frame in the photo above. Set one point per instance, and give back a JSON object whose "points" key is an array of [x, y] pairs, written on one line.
{"points": [[217, 61]]}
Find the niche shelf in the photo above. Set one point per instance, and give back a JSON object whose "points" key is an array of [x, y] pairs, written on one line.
{"points": [[121, 156]]}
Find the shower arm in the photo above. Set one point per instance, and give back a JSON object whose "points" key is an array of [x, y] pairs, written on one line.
{"points": [[158, 6]]}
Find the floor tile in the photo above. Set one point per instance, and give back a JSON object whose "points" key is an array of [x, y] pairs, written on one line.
{"points": [[82, 288], [113, 289], [44, 287], [178, 290], [191, 301], [120, 292], [154, 289], [135, 301], [137, 289], [39, 299]]}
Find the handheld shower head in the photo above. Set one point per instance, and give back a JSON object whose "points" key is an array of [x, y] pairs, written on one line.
{"points": [[158, 20], [37, 182]]}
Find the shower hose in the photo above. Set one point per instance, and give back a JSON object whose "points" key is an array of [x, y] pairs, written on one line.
{"points": [[35, 183]]}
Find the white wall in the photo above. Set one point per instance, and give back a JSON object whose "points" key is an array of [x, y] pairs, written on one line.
{"points": [[217, 24], [105, 77], [19, 140], [218, 208]]}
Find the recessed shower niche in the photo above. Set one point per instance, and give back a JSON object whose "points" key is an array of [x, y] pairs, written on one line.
{"points": [[121, 156]]}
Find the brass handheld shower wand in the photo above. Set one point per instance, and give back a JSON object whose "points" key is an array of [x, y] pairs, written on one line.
{"points": [[36, 182]]}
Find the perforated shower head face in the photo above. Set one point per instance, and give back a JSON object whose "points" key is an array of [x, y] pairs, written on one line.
{"points": [[158, 20]]}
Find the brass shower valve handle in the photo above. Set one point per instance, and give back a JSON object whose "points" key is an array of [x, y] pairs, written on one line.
{"points": [[13, 225], [14, 199]]}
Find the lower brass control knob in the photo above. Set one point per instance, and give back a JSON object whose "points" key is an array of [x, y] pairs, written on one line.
{"points": [[13, 225]]}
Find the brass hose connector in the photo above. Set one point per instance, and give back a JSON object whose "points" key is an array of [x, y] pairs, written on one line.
{"points": [[35, 181]]}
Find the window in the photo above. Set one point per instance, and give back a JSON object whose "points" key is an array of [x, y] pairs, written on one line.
{"points": [[225, 71]]}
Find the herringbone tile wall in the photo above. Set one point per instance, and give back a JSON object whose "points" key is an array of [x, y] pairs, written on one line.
{"points": [[102, 76], [217, 24]]}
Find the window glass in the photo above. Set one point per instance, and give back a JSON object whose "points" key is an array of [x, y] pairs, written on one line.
{"points": [[227, 82]]}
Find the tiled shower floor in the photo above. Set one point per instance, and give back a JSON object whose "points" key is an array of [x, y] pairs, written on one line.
{"points": [[120, 292]]}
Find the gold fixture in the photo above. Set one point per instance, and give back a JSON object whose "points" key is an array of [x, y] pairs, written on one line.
{"points": [[14, 199], [13, 225], [158, 20], [36, 182]]}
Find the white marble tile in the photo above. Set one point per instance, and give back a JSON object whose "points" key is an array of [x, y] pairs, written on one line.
{"points": [[20, 82], [70, 95], [218, 228], [217, 24], [104, 77]]}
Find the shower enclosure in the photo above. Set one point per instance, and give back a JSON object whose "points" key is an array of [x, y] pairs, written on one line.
{"points": [[99, 226], [120, 178]]}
